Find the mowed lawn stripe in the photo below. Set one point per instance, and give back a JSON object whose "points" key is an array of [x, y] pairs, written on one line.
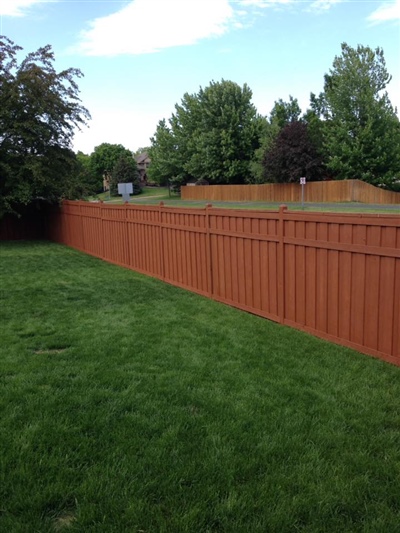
{"points": [[131, 405]]}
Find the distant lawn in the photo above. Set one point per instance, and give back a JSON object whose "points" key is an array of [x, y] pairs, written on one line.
{"points": [[274, 206], [128, 405], [155, 195], [152, 191]]}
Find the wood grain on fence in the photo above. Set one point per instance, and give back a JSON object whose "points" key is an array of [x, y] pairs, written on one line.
{"points": [[315, 192], [336, 276]]}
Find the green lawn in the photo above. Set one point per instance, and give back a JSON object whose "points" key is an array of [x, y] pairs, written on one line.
{"points": [[155, 195], [334, 208], [128, 405], [148, 195]]}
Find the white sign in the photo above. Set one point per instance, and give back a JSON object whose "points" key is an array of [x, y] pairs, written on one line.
{"points": [[125, 188], [302, 181]]}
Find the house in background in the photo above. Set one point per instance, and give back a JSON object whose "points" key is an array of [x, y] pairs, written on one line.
{"points": [[106, 182], [143, 162]]}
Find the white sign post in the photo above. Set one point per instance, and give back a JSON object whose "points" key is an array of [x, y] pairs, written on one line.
{"points": [[125, 189], [302, 183]]}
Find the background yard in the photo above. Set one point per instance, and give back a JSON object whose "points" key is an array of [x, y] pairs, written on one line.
{"points": [[131, 405], [155, 195]]}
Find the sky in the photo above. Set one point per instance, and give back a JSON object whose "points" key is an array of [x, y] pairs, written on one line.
{"points": [[140, 57]]}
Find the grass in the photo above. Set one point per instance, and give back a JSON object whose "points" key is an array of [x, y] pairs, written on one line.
{"points": [[128, 405], [148, 194], [155, 195], [333, 208]]}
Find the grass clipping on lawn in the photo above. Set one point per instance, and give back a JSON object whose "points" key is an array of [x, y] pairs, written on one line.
{"points": [[131, 405]]}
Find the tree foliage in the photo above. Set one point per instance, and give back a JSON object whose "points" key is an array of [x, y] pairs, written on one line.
{"points": [[125, 171], [39, 111], [163, 154], [104, 158], [361, 130], [282, 114], [212, 135], [292, 155], [90, 183]]}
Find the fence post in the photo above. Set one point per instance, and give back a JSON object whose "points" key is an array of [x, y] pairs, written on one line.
{"points": [[160, 240], [128, 254], [281, 263], [103, 251], [210, 287], [82, 228]]}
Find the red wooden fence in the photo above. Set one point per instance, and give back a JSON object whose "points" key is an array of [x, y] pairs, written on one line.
{"points": [[28, 225], [336, 276]]}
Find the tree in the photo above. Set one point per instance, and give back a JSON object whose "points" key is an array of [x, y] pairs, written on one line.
{"points": [[162, 152], [362, 131], [104, 158], [39, 111], [282, 113], [88, 180], [292, 155], [141, 150], [267, 137], [125, 171], [212, 135]]}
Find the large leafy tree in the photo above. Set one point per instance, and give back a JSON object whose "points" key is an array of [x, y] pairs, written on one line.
{"points": [[361, 130], [212, 135], [39, 111], [104, 158], [292, 155]]}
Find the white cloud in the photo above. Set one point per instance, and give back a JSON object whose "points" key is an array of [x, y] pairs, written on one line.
{"points": [[386, 12], [16, 8], [323, 5], [115, 126], [265, 3], [320, 5], [144, 27]]}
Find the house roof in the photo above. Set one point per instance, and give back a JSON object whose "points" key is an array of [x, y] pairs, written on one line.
{"points": [[142, 157]]}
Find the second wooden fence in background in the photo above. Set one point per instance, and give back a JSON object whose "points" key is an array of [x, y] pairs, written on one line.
{"points": [[333, 275], [317, 192]]}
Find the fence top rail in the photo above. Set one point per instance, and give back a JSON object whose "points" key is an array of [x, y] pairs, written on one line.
{"points": [[184, 210], [345, 218]]}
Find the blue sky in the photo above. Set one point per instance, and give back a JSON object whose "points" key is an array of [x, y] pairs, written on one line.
{"points": [[139, 57]]}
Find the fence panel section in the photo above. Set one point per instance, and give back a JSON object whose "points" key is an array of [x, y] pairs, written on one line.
{"points": [[185, 248], [144, 240], [244, 260], [341, 279], [92, 222], [336, 276]]}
